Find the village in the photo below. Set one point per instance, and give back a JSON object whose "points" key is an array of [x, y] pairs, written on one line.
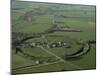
{"points": [[50, 37]]}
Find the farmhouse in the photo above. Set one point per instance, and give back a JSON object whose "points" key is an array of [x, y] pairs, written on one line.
{"points": [[38, 62]]}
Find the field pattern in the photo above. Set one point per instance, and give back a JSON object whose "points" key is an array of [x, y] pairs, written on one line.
{"points": [[50, 37]]}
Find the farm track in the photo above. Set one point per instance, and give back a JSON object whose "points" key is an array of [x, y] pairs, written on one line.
{"points": [[52, 54], [77, 54], [61, 59], [59, 30], [78, 67], [29, 66]]}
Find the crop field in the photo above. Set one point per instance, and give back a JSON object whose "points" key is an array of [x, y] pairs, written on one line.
{"points": [[52, 37]]}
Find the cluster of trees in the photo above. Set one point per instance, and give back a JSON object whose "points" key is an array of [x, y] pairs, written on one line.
{"points": [[92, 41]]}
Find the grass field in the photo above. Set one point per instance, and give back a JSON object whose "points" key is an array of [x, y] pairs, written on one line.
{"points": [[36, 17]]}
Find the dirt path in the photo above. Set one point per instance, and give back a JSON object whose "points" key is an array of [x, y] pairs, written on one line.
{"points": [[29, 66]]}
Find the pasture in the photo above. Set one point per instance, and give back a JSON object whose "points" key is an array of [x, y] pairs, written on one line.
{"points": [[37, 17]]}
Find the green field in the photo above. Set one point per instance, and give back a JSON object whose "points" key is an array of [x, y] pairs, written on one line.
{"points": [[36, 17]]}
